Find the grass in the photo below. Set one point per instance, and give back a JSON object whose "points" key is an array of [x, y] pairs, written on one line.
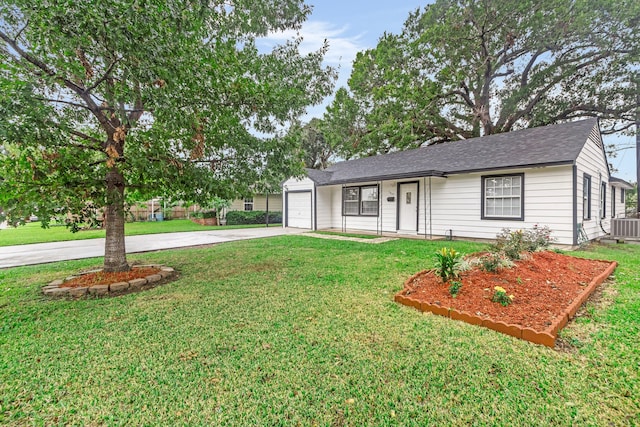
{"points": [[300, 331], [34, 233]]}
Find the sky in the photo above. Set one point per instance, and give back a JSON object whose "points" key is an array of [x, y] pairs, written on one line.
{"points": [[352, 26]]}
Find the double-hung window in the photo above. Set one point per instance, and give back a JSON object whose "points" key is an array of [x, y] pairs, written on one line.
{"points": [[503, 197], [586, 196], [360, 201]]}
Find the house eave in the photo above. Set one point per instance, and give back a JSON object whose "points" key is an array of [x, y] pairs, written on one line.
{"points": [[510, 167], [388, 177]]}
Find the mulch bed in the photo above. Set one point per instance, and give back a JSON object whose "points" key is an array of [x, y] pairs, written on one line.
{"points": [[104, 278], [543, 286]]}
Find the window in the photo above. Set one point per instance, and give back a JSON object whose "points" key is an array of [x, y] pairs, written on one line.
{"points": [[603, 200], [613, 202], [503, 197], [622, 195], [248, 203], [586, 197], [360, 200]]}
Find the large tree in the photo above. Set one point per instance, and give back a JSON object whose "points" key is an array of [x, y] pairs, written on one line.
{"points": [[468, 68], [101, 99]]}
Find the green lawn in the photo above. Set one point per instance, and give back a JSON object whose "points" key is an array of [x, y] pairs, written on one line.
{"points": [[301, 331], [34, 233]]}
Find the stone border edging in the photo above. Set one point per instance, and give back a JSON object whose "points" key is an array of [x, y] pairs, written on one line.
{"points": [[54, 289], [546, 337]]}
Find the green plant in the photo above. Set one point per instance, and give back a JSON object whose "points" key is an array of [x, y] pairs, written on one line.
{"points": [[519, 280], [447, 264], [491, 262], [204, 214], [513, 243], [253, 217], [220, 205], [500, 296], [454, 288]]}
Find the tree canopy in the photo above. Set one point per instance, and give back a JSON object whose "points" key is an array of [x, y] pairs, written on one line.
{"points": [[105, 100], [462, 69]]}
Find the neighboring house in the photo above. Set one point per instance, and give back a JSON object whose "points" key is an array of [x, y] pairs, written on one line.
{"points": [[556, 176], [258, 202]]}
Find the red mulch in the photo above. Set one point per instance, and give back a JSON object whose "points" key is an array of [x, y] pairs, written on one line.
{"points": [[103, 278], [543, 286]]}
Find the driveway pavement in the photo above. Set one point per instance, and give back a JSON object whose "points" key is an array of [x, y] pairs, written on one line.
{"points": [[14, 256]]}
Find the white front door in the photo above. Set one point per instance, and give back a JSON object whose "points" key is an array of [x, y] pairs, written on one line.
{"points": [[408, 207]]}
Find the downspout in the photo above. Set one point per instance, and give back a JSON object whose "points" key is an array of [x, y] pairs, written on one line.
{"points": [[267, 219]]}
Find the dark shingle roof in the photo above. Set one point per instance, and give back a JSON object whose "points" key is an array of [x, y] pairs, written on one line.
{"points": [[544, 146]]}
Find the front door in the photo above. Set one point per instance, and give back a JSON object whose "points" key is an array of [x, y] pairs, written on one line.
{"points": [[408, 207]]}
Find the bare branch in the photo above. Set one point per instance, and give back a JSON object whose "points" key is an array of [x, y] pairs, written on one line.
{"points": [[87, 138], [60, 101]]}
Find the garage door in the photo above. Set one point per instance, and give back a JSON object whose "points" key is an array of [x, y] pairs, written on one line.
{"points": [[299, 210]]}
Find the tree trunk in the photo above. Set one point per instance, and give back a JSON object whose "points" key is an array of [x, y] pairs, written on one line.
{"points": [[115, 255]]}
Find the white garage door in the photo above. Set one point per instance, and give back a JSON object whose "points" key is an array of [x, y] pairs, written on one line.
{"points": [[299, 210]]}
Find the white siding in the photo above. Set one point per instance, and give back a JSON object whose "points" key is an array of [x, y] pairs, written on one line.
{"points": [[455, 202], [592, 161], [325, 207], [620, 205], [548, 200]]}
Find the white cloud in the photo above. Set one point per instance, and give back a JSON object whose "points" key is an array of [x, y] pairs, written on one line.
{"points": [[342, 46]]}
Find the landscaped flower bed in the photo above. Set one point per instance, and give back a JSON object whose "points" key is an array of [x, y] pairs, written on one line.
{"points": [[100, 283], [545, 290]]}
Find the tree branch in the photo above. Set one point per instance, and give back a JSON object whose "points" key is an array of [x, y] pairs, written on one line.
{"points": [[104, 77], [59, 101]]}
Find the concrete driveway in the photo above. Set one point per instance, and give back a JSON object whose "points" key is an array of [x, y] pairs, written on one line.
{"points": [[14, 256]]}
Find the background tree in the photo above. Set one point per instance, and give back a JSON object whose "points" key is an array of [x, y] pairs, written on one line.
{"points": [[99, 98], [317, 152], [463, 69]]}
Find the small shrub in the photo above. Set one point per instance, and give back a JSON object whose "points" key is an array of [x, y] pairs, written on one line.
{"points": [[513, 243], [204, 214], [454, 288], [500, 296], [494, 262], [253, 217], [447, 264]]}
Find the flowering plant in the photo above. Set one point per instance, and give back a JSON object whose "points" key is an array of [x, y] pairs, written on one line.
{"points": [[500, 296]]}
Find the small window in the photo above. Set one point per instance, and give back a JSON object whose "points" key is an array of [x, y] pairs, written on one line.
{"points": [[613, 202], [622, 195], [248, 203], [503, 197], [360, 201], [603, 200], [586, 197]]}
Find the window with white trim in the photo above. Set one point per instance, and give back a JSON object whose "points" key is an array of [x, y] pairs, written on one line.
{"points": [[248, 203], [503, 197], [360, 201]]}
